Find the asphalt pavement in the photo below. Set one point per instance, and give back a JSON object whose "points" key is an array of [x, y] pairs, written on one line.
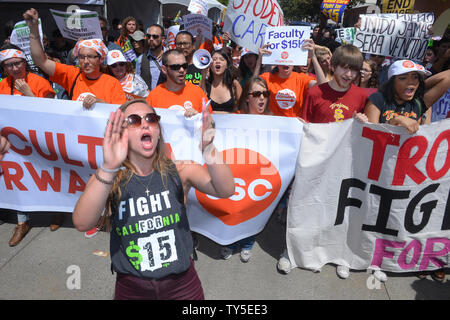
{"points": [[65, 265]]}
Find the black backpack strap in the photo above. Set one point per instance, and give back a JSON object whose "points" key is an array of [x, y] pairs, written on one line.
{"points": [[145, 71], [73, 86]]}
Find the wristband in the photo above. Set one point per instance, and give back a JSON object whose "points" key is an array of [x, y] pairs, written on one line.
{"points": [[109, 170], [103, 180]]}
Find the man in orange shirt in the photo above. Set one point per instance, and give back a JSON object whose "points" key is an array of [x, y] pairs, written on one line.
{"points": [[287, 88], [177, 93], [20, 81], [89, 84]]}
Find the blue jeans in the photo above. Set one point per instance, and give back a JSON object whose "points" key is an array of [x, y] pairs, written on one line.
{"points": [[245, 244]]}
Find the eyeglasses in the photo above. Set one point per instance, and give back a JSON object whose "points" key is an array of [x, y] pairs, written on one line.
{"points": [[183, 44], [115, 65], [257, 94], [153, 36], [13, 64], [89, 56], [104, 28], [135, 120], [176, 67]]}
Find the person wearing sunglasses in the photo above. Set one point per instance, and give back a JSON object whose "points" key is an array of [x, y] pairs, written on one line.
{"points": [[149, 66], [132, 84], [184, 42], [177, 93], [255, 97], [87, 84], [152, 262]]}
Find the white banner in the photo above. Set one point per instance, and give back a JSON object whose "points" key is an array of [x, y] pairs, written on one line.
{"points": [[247, 20], [371, 196], [78, 25], [402, 36], [345, 35], [285, 44], [56, 145]]}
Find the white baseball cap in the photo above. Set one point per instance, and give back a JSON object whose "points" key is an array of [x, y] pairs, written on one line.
{"points": [[245, 52], [405, 66], [115, 56]]}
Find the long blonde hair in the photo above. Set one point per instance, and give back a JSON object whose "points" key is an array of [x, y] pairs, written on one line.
{"points": [[161, 163]]}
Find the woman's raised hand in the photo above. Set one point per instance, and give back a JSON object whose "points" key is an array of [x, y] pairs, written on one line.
{"points": [[115, 142]]}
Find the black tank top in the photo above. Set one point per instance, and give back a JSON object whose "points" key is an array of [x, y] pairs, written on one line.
{"points": [[227, 106], [150, 235]]}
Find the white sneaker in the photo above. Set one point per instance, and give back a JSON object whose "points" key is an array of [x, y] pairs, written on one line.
{"points": [[380, 276], [343, 272], [246, 255], [225, 253], [284, 265]]}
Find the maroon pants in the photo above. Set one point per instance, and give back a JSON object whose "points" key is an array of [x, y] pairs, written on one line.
{"points": [[183, 286]]}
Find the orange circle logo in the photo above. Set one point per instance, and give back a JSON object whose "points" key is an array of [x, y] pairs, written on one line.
{"points": [[408, 64], [115, 55], [257, 183], [284, 55]]}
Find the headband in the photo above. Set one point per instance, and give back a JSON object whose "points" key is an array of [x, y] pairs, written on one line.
{"points": [[95, 44], [11, 53]]}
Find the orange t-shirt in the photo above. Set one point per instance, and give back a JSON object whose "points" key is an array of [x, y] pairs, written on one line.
{"points": [[189, 97], [106, 87], [40, 87], [286, 95]]}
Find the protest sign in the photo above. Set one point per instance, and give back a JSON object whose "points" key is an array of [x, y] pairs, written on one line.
{"points": [[285, 44], [371, 196], [20, 36], [345, 35], [198, 7], [56, 145], [171, 34], [79, 25], [398, 6], [197, 23], [246, 21], [398, 38], [334, 9]]}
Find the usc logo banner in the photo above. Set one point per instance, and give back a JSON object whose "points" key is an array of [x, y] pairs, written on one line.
{"points": [[56, 146]]}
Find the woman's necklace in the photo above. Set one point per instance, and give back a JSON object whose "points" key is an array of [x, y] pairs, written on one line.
{"points": [[147, 192]]}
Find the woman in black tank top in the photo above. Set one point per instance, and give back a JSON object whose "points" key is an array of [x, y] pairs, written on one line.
{"points": [[133, 140], [220, 87]]}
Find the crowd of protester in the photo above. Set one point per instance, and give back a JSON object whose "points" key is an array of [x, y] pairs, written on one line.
{"points": [[129, 64]]}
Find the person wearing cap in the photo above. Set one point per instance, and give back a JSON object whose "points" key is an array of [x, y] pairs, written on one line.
{"points": [[137, 40], [20, 81], [406, 98], [132, 84], [89, 84], [247, 65]]}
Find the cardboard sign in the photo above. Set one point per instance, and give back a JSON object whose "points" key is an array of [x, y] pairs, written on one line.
{"points": [[246, 21], [398, 38], [398, 6], [285, 44], [79, 25]]}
